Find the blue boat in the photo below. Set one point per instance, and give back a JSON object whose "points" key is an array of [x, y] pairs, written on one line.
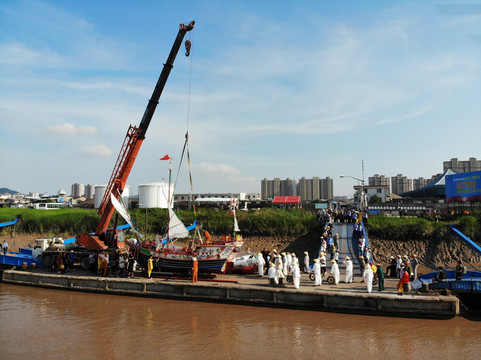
{"points": [[17, 258], [468, 289]]}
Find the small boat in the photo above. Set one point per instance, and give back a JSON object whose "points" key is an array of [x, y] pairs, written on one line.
{"points": [[17, 258]]}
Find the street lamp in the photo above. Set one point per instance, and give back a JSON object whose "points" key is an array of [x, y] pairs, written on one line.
{"points": [[362, 200]]}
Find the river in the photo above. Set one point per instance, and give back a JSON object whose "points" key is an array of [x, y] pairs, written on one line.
{"points": [[38, 323]]}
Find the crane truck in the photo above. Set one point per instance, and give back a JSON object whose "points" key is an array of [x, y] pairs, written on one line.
{"points": [[105, 238]]}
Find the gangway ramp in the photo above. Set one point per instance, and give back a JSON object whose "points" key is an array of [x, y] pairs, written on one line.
{"points": [[348, 246], [467, 240]]}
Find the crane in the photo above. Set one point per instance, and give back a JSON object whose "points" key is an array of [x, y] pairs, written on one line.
{"points": [[130, 148]]}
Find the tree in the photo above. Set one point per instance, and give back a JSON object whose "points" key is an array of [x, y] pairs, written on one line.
{"points": [[375, 199]]}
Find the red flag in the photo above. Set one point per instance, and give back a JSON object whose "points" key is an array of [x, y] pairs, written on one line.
{"points": [[166, 157]]}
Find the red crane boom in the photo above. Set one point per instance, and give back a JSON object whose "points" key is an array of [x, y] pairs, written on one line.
{"points": [[130, 148]]}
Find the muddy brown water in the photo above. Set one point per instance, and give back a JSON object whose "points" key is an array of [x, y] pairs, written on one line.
{"points": [[38, 323]]}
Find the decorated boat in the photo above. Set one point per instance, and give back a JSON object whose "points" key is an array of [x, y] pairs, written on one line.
{"points": [[168, 257]]}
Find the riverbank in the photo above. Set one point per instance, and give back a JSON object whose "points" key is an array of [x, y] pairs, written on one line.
{"points": [[251, 290], [431, 253]]}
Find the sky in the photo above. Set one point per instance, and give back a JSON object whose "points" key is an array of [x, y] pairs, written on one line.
{"points": [[272, 89]]}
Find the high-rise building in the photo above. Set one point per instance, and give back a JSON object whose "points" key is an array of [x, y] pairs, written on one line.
{"points": [[315, 189], [401, 184], [276, 187], [420, 183], [462, 166], [380, 180]]}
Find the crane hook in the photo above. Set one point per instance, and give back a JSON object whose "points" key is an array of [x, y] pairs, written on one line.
{"points": [[188, 45]]}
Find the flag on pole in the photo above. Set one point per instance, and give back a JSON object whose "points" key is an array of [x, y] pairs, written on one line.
{"points": [[166, 157]]}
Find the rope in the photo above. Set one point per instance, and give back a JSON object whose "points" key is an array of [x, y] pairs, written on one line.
{"points": [[186, 143]]}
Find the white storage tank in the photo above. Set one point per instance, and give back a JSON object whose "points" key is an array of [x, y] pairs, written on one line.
{"points": [[155, 195], [125, 196], [99, 194]]}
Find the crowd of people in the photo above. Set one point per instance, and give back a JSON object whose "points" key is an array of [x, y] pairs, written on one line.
{"points": [[105, 263], [282, 266]]}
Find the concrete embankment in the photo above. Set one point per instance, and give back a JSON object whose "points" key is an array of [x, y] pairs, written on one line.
{"points": [[310, 298]]}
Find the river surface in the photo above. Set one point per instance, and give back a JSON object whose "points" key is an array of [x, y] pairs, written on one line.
{"points": [[38, 323]]}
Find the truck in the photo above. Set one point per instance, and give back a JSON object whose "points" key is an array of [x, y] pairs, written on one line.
{"points": [[105, 238], [47, 249]]}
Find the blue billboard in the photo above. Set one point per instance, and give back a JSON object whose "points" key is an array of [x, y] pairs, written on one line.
{"points": [[464, 187]]}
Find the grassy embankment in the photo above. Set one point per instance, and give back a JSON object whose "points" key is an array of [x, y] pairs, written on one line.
{"points": [[267, 222], [264, 222]]}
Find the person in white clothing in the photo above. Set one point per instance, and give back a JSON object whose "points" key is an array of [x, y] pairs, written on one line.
{"points": [[335, 272], [280, 270], [316, 269], [296, 275], [349, 268], [289, 263], [284, 263], [306, 262], [368, 275], [260, 264], [295, 259], [272, 274], [398, 266], [322, 260]]}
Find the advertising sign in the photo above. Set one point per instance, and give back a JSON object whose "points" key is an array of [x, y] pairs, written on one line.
{"points": [[464, 187]]}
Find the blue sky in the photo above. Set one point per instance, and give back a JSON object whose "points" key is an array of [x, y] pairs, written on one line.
{"points": [[277, 89]]}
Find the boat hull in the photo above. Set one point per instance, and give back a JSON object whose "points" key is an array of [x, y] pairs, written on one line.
{"points": [[210, 258]]}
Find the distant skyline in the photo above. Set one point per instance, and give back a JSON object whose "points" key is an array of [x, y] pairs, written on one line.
{"points": [[273, 89]]}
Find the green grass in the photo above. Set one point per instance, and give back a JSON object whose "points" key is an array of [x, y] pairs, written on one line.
{"points": [[403, 228], [65, 221], [264, 222]]}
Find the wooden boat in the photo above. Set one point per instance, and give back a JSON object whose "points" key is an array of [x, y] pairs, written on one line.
{"points": [[211, 257], [168, 257]]}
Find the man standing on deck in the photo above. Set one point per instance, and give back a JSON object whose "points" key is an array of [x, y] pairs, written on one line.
{"points": [[365, 216], [207, 237], [415, 264], [260, 265], [316, 269], [349, 268], [391, 269], [368, 275], [280, 270], [306, 262], [272, 274], [296, 274], [398, 266], [380, 276], [5, 247], [459, 271], [130, 266], [404, 280], [289, 263], [335, 272], [150, 266], [195, 268]]}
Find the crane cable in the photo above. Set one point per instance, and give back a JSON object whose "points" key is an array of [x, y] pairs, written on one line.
{"points": [[188, 45]]}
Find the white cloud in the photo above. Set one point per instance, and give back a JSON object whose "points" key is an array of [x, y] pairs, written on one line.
{"points": [[18, 54], [95, 150], [216, 168], [67, 129]]}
